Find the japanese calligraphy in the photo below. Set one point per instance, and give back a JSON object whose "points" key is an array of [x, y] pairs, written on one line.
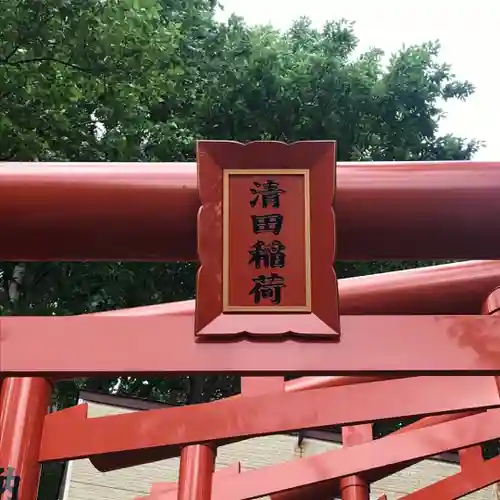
{"points": [[267, 223], [268, 192], [267, 287], [268, 255], [9, 483]]}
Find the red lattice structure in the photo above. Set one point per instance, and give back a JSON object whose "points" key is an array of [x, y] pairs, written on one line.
{"points": [[265, 221]]}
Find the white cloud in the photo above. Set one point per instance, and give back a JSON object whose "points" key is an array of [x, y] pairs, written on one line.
{"points": [[468, 32]]}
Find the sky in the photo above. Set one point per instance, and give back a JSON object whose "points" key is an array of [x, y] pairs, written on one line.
{"points": [[469, 34]]}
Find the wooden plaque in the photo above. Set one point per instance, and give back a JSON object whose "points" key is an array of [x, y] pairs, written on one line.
{"points": [[266, 232]]}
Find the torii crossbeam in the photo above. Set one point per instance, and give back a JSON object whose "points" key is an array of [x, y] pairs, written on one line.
{"points": [[266, 222]]}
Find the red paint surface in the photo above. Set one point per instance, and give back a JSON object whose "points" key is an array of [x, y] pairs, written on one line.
{"points": [[147, 211], [196, 471], [23, 405], [220, 421], [394, 343]]}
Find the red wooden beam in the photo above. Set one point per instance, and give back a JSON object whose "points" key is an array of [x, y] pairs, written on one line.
{"points": [[330, 488], [468, 480], [469, 456], [461, 288], [368, 457], [69, 434], [476, 473], [254, 386], [458, 288], [87, 345], [118, 461], [147, 211]]}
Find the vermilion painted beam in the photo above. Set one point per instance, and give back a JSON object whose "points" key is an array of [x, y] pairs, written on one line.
{"points": [[462, 483], [475, 473], [330, 488], [254, 386], [325, 489], [468, 457], [461, 288], [147, 211], [88, 345], [398, 448], [69, 434], [471, 457], [115, 461]]}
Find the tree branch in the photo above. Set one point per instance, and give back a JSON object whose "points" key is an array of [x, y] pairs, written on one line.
{"points": [[11, 53], [45, 59]]}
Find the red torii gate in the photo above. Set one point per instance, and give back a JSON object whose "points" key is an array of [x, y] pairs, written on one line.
{"points": [[400, 333]]}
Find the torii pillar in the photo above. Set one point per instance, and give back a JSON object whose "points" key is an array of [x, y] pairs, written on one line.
{"points": [[24, 402]]}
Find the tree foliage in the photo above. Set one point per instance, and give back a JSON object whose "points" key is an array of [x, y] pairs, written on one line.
{"points": [[141, 80]]}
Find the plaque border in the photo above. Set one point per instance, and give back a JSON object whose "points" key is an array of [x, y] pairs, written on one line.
{"points": [[211, 322]]}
